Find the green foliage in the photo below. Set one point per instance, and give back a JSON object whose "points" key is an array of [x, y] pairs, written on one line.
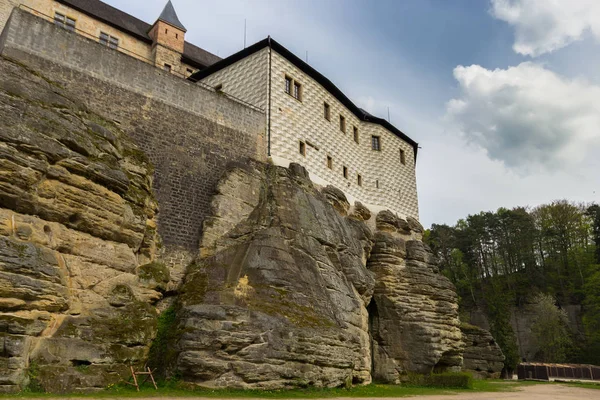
{"points": [[162, 353], [445, 380], [34, 385], [498, 259], [550, 329], [591, 316]]}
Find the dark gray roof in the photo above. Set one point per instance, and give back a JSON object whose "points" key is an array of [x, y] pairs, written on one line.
{"points": [[169, 16], [133, 26]]}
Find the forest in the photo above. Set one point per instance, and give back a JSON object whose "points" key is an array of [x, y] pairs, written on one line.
{"points": [[540, 259]]}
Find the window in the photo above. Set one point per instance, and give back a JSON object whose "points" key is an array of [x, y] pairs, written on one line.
{"points": [[302, 148], [177, 36], [64, 22], [327, 111], [297, 91], [166, 31], [288, 85], [355, 129], [359, 179], [377, 183], [375, 143], [167, 68], [329, 162], [342, 124], [402, 157], [345, 171], [108, 40]]}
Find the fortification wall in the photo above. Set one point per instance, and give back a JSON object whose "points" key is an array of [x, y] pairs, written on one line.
{"points": [[189, 133]]}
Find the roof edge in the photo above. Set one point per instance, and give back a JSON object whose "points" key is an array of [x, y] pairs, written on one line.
{"points": [[307, 69]]}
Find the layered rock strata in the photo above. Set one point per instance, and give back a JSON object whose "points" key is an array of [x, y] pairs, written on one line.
{"points": [[77, 242], [482, 354], [284, 291]]}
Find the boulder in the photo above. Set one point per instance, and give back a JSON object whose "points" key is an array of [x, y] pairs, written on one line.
{"points": [[482, 355]]}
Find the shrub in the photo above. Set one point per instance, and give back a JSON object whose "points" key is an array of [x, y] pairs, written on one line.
{"points": [[454, 380]]}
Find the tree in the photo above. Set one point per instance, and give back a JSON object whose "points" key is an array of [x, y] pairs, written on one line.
{"points": [[550, 330]]}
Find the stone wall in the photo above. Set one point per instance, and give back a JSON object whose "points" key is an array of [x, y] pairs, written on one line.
{"points": [[189, 133]]}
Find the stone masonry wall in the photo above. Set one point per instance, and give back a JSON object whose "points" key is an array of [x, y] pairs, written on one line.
{"points": [[190, 134]]}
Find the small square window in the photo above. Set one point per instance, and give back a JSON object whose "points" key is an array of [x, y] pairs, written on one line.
{"points": [[64, 22], [297, 91], [355, 130], [342, 124], [288, 85], [59, 19], [70, 24], [327, 111], [345, 172], [329, 162], [375, 143], [302, 148], [402, 157], [359, 179], [167, 68]]}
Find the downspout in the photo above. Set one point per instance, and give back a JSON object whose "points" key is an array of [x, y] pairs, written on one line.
{"points": [[269, 106]]}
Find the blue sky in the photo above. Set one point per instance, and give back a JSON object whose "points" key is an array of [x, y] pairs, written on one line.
{"points": [[502, 95]]}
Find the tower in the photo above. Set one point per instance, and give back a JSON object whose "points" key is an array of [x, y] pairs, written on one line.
{"points": [[168, 38]]}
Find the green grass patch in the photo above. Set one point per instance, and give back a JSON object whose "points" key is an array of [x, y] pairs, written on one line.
{"points": [[373, 390]]}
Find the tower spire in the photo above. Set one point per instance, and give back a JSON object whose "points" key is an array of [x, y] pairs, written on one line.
{"points": [[169, 16]]}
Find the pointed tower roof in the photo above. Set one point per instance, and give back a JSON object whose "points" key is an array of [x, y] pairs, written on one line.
{"points": [[169, 16]]}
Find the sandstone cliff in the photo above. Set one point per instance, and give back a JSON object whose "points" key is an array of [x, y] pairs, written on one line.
{"points": [[77, 241], [292, 287]]}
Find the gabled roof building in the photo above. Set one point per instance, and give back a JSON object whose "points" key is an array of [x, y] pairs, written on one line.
{"points": [[311, 122]]}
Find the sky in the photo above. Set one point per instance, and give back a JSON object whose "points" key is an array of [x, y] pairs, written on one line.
{"points": [[503, 96]]}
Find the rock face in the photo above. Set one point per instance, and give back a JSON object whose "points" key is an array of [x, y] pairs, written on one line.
{"points": [[77, 242], [482, 354], [289, 291], [413, 313]]}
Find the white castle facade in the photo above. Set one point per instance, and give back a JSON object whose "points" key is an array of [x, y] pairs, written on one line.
{"points": [[311, 122]]}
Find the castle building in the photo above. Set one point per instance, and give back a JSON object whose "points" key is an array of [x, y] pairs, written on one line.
{"points": [[311, 122], [308, 119], [162, 43]]}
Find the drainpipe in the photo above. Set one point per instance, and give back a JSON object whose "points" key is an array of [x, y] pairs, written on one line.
{"points": [[269, 106]]}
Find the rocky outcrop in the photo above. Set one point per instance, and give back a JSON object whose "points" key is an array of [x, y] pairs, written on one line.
{"points": [[289, 290], [77, 241], [414, 311], [482, 354]]}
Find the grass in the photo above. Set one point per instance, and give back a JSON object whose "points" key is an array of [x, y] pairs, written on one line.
{"points": [[373, 390]]}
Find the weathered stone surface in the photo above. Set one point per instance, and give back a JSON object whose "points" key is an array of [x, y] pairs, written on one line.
{"points": [[482, 354], [360, 212], [414, 312], [77, 233], [280, 294], [337, 199]]}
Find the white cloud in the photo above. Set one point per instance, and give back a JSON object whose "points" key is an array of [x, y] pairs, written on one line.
{"points": [[543, 26], [527, 116]]}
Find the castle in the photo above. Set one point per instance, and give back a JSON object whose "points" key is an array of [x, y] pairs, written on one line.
{"points": [[308, 120]]}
